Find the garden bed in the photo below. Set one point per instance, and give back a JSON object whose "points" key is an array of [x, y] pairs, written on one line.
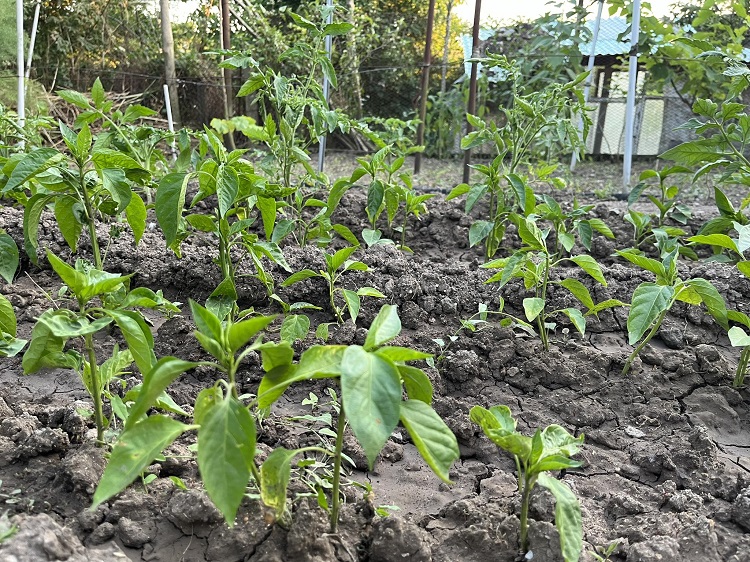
{"points": [[665, 458]]}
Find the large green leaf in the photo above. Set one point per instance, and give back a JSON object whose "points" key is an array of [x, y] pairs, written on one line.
{"points": [[135, 213], [714, 302], [169, 204], [692, 153], [295, 327], [155, 381], [318, 361], [32, 164], [738, 337], [274, 479], [416, 383], [567, 517], [8, 257], [67, 324], [532, 307], [431, 436], [371, 394], [227, 187], [138, 337], [720, 240], [590, 266], [136, 448], [579, 291], [649, 301], [114, 181], [226, 450], [498, 424], [241, 333], [644, 262], [32, 214], [578, 320], [385, 327], [46, 351], [66, 209]]}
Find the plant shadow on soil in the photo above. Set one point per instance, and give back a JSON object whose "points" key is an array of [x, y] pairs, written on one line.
{"points": [[666, 464]]}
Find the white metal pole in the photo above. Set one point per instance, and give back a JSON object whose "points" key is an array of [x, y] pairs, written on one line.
{"points": [[21, 86], [170, 122], [326, 87], [635, 24], [32, 40], [589, 78]]}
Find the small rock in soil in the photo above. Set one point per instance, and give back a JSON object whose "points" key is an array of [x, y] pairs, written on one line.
{"points": [[84, 467]]}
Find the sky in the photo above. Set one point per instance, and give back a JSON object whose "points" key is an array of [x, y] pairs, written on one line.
{"points": [[508, 10]]}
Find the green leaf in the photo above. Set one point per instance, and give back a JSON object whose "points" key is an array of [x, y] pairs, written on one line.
{"points": [[385, 327], [498, 424], [46, 351], [644, 263], [114, 181], [416, 383], [478, 231], [274, 479], [8, 258], [206, 321], [299, 276], [371, 393], [458, 191], [241, 333], [155, 382], [533, 307], [401, 354], [136, 448], [170, 201], [649, 301], [370, 292], [8, 325], [431, 436], [32, 164], [576, 318], [319, 361], [738, 337], [295, 327], [579, 291], [135, 213], [567, 517], [138, 337], [76, 98], [227, 187], [32, 214], [712, 299], [352, 303], [530, 234], [226, 450], [338, 259], [67, 220], [223, 298], [720, 240], [590, 266], [692, 153]]}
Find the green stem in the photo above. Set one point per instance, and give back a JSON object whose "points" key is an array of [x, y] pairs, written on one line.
{"points": [[90, 217], [651, 334], [96, 388], [335, 500], [524, 519], [739, 377], [542, 316]]}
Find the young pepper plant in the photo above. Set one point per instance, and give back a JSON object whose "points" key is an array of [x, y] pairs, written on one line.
{"points": [[102, 298], [226, 427], [10, 345], [336, 265], [534, 263], [550, 449], [83, 186], [652, 301], [535, 113], [373, 378]]}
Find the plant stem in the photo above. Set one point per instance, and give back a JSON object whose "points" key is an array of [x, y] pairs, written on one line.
{"points": [[96, 389], [647, 339], [525, 499], [739, 377], [90, 217], [335, 504], [542, 315]]}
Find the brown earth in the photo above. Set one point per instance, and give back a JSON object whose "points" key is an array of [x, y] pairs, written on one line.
{"points": [[666, 463]]}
